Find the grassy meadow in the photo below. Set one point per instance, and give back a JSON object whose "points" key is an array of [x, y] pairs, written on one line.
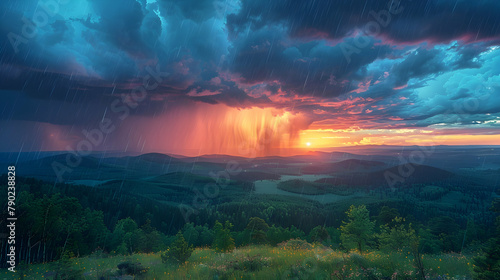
{"points": [[263, 262]]}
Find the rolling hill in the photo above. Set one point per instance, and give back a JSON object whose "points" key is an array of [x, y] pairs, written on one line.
{"points": [[349, 165]]}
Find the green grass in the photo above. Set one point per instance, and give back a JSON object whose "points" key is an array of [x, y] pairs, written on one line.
{"points": [[265, 262]]}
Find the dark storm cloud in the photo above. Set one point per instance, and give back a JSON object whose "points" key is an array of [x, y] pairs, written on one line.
{"points": [[196, 10], [291, 43], [420, 63], [92, 52], [51, 85], [469, 54], [101, 53], [437, 21], [234, 97], [19, 106], [283, 41], [120, 25], [304, 68]]}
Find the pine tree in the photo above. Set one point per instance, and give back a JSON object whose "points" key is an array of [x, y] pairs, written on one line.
{"points": [[358, 229], [223, 241]]}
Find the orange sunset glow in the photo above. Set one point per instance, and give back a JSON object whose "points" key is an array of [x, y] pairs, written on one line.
{"points": [[219, 129]]}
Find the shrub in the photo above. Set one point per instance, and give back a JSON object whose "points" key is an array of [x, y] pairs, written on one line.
{"points": [[65, 270], [247, 263], [98, 254], [258, 228], [396, 237], [131, 268], [487, 265], [302, 270], [295, 244], [179, 251], [318, 234], [277, 235]]}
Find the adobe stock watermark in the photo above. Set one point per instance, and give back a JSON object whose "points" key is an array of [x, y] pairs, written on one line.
{"points": [[222, 178], [407, 165], [121, 108], [418, 157], [381, 19], [43, 12]]}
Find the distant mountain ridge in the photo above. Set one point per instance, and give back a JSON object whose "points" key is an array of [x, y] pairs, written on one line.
{"points": [[101, 167]]}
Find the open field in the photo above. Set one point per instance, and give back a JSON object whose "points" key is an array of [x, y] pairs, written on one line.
{"points": [[265, 262]]}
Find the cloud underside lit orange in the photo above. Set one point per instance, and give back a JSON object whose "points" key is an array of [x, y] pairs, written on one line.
{"points": [[219, 129]]}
